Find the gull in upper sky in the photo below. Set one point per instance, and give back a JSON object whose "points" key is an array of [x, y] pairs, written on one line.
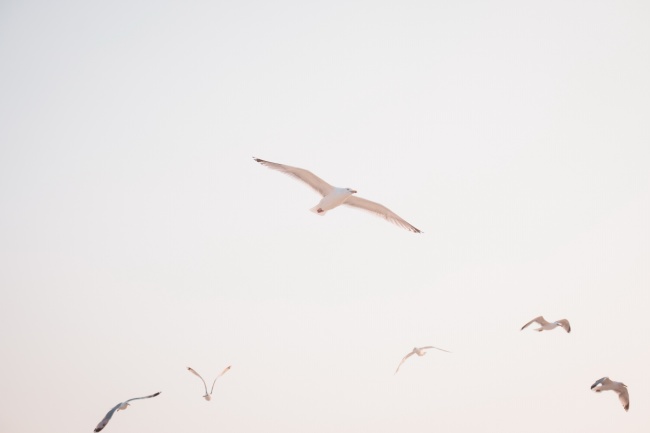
{"points": [[547, 326], [207, 396], [619, 387], [333, 196], [419, 351], [120, 406]]}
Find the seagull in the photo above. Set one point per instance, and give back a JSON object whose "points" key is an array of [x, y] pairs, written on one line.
{"points": [[619, 387], [120, 406], [333, 197], [547, 326], [419, 351], [207, 396]]}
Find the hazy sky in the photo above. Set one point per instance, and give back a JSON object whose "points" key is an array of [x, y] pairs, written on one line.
{"points": [[138, 237]]}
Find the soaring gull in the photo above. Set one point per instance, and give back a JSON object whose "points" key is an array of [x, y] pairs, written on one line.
{"points": [[619, 387], [547, 326], [207, 396], [120, 406], [419, 351], [333, 196]]}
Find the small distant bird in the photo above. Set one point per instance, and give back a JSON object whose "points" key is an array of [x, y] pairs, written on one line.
{"points": [[547, 326], [419, 351], [333, 197], [120, 406], [619, 387], [207, 396]]}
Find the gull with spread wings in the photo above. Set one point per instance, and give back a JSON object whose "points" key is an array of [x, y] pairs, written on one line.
{"points": [[120, 406], [618, 387], [547, 326], [207, 396], [333, 196], [419, 351]]}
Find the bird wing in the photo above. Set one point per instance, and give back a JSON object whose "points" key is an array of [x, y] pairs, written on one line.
{"points": [[433, 347], [402, 361], [140, 398], [318, 184], [624, 397], [539, 320], [220, 374], [602, 380], [199, 376], [565, 324], [107, 418], [381, 211]]}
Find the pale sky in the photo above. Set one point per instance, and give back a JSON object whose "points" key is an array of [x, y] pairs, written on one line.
{"points": [[138, 237]]}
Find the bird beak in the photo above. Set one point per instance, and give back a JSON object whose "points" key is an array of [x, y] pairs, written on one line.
{"points": [[354, 191]]}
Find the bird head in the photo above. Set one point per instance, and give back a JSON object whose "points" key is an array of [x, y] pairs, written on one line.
{"points": [[207, 397], [351, 191]]}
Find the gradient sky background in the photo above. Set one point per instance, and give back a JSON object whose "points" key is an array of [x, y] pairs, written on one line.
{"points": [[138, 237]]}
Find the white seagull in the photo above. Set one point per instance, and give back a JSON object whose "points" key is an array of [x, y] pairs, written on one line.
{"points": [[419, 351], [120, 406], [619, 387], [333, 197], [207, 396], [547, 326]]}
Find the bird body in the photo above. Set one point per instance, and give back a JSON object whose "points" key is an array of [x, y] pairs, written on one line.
{"points": [[120, 406], [419, 351], [618, 387], [545, 325], [334, 197]]}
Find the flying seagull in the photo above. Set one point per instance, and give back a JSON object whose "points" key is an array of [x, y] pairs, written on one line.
{"points": [[333, 197], [207, 396], [120, 406], [547, 326], [419, 351], [619, 387]]}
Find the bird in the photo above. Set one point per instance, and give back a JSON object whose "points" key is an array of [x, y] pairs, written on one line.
{"points": [[334, 197], [619, 387], [120, 406], [207, 396], [547, 326], [419, 351]]}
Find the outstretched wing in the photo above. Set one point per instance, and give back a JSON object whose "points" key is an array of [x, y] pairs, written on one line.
{"points": [[433, 347], [624, 397], [565, 324], [402, 361], [220, 374], [602, 380], [539, 320], [381, 211], [199, 376], [318, 184], [107, 418], [140, 398]]}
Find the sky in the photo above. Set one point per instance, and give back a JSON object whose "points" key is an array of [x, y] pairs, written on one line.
{"points": [[139, 237]]}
